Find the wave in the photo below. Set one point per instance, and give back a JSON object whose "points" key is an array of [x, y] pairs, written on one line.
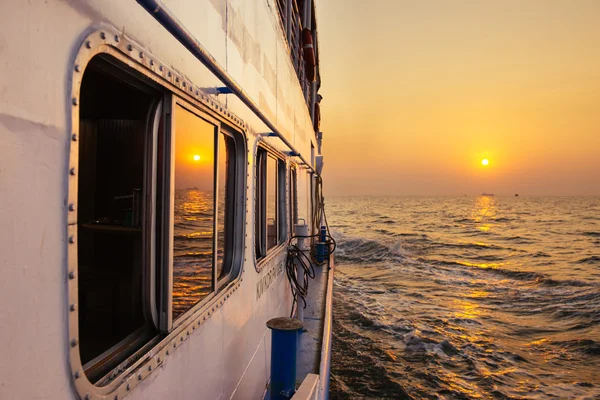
{"points": [[584, 347], [589, 260], [504, 219], [463, 220], [529, 276], [518, 239], [475, 246], [592, 234], [540, 254], [368, 251]]}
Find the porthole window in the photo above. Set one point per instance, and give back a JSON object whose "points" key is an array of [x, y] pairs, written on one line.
{"points": [[159, 214], [270, 213]]}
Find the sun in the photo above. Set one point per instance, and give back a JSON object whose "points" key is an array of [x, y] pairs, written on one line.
{"points": [[196, 157], [485, 162]]}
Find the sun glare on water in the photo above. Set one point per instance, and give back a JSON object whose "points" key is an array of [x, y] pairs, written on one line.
{"points": [[485, 162]]}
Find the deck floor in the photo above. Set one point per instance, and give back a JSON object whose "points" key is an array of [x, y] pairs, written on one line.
{"points": [[309, 346]]}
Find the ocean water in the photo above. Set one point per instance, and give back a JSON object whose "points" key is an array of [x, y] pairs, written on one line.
{"points": [[193, 237], [466, 298]]}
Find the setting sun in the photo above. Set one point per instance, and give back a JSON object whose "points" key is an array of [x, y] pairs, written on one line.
{"points": [[196, 157], [485, 162]]}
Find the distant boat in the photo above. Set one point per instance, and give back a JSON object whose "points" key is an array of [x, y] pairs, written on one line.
{"points": [[516, 194], [193, 188], [487, 194]]}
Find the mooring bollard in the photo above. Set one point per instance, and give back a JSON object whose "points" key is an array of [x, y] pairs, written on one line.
{"points": [[284, 351]]}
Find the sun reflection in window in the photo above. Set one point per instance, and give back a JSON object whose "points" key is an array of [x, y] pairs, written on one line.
{"points": [[193, 236]]}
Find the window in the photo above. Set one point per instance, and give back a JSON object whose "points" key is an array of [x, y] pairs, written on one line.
{"points": [[270, 226], [293, 200], [159, 214], [194, 238], [202, 224], [116, 140]]}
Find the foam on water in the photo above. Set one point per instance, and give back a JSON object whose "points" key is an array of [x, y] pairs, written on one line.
{"points": [[466, 298]]}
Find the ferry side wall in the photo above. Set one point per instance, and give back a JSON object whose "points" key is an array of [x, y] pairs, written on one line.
{"points": [[229, 355]]}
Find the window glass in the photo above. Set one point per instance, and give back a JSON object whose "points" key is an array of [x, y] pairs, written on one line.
{"points": [[272, 199], [259, 204], [224, 200], [293, 201], [193, 233], [302, 190]]}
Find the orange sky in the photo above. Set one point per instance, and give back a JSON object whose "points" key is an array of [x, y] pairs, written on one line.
{"points": [[417, 92]]}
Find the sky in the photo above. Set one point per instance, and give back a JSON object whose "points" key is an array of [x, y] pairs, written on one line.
{"points": [[417, 92]]}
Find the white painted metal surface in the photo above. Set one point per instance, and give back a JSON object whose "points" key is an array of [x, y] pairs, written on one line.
{"points": [[224, 356], [309, 389]]}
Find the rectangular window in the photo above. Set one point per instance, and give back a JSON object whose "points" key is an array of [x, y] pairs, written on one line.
{"points": [[159, 213], [270, 203], [205, 180]]}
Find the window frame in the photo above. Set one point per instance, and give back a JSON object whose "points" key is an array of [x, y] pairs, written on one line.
{"points": [[218, 283], [144, 336], [168, 212], [261, 251], [293, 198], [149, 70]]}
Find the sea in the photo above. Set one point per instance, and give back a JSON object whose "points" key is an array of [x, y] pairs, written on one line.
{"points": [[466, 297]]}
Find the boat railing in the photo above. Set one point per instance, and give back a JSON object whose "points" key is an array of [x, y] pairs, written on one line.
{"points": [[291, 17]]}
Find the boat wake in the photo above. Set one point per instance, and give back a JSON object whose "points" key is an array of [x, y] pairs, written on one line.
{"points": [[433, 317]]}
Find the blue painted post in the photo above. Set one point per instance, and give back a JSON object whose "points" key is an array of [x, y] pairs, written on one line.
{"points": [[284, 351], [323, 240], [320, 252]]}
